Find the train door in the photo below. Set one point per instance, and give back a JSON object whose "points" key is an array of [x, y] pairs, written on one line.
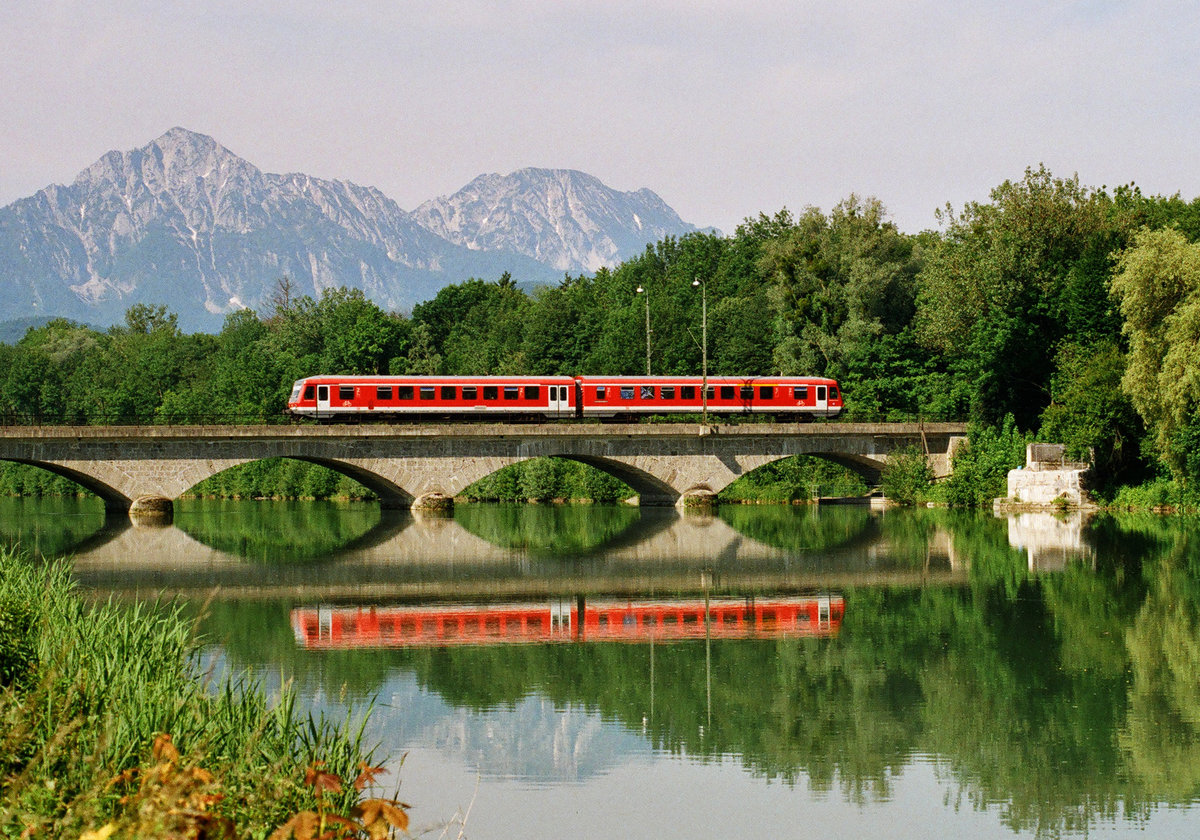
{"points": [[823, 614], [560, 402], [822, 406], [322, 401]]}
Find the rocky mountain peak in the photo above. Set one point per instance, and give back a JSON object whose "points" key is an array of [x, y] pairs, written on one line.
{"points": [[562, 217]]}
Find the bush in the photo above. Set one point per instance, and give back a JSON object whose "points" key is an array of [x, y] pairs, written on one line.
{"points": [[981, 465], [906, 477]]}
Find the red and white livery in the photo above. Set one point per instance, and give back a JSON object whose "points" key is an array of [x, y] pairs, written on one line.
{"points": [[536, 398]]}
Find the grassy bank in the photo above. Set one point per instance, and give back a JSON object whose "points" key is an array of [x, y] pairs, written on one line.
{"points": [[107, 723]]}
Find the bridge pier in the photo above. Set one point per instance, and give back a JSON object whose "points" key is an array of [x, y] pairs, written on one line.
{"points": [[151, 509], [700, 498], [433, 503]]}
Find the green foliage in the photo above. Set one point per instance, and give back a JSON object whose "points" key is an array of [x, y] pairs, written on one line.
{"points": [[981, 464], [18, 638], [1011, 279], [279, 478], [551, 531], [546, 479], [1158, 286], [906, 476], [1089, 412], [837, 284], [799, 477], [1157, 494], [112, 678], [277, 533]]}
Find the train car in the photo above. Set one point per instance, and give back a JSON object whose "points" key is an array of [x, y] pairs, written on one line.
{"points": [[787, 397], [392, 398], [328, 627]]}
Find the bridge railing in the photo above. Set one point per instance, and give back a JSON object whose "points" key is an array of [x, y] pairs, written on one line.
{"points": [[194, 418], [10, 418]]}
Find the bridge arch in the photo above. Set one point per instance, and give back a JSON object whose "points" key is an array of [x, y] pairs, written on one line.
{"points": [[114, 499], [391, 496]]}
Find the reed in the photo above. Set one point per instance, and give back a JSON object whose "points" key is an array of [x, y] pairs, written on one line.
{"points": [[108, 679]]}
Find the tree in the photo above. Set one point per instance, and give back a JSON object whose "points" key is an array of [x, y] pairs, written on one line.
{"points": [[421, 359], [839, 285], [1089, 412], [1011, 279], [1158, 286]]}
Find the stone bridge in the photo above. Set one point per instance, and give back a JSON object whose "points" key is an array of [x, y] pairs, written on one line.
{"points": [[144, 468]]}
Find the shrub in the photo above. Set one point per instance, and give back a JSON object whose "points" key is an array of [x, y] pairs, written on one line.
{"points": [[906, 477], [981, 465]]}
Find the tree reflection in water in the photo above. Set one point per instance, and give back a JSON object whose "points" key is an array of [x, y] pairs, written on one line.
{"points": [[1058, 699]]}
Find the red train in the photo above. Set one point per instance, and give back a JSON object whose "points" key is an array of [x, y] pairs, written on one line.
{"points": [[599, 621], [393, 398]]}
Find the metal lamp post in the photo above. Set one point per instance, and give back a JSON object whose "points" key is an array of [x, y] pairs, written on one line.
{"points": [[646, 294], [703, 347]]}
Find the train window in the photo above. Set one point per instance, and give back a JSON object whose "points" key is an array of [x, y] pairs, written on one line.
{"points": [[627, 392], [601, 391], [532, 392], [726, 392], [449, 392], [383, 392], [404, 392], [345, 392], [711, 391], [833, 393], [647, 392], [687, 392], [668, 392], [766, 392], [470, 392], [308, 392], [512, 392], [427, 392], [746, 392], [800, 392], [491, 392]]}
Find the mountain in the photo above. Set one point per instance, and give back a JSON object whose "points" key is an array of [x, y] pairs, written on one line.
{"points": [[185, 222], [566, 219]]}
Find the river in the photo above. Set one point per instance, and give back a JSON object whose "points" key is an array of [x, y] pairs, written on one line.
{"points": [[591, 671]]}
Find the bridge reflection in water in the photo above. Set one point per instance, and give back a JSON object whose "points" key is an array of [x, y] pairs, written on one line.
{"points": [[406, 557], [583, 620]]}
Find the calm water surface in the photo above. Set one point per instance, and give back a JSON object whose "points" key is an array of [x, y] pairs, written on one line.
{"points": [[832, 672]]}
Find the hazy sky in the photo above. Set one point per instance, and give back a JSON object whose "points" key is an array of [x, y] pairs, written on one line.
{"points": [[725, 109]]}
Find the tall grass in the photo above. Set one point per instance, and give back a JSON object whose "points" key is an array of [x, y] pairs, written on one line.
{"points": [[105, 680]]}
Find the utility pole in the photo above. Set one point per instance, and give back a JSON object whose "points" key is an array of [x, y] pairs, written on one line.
{"points": [[703, 347], [641, 291]]}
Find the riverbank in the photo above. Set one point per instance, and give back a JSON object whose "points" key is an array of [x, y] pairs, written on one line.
{"points": [[108, 723]]}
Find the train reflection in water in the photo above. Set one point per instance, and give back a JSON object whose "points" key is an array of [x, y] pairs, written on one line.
{"points": [[560, 621]]}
